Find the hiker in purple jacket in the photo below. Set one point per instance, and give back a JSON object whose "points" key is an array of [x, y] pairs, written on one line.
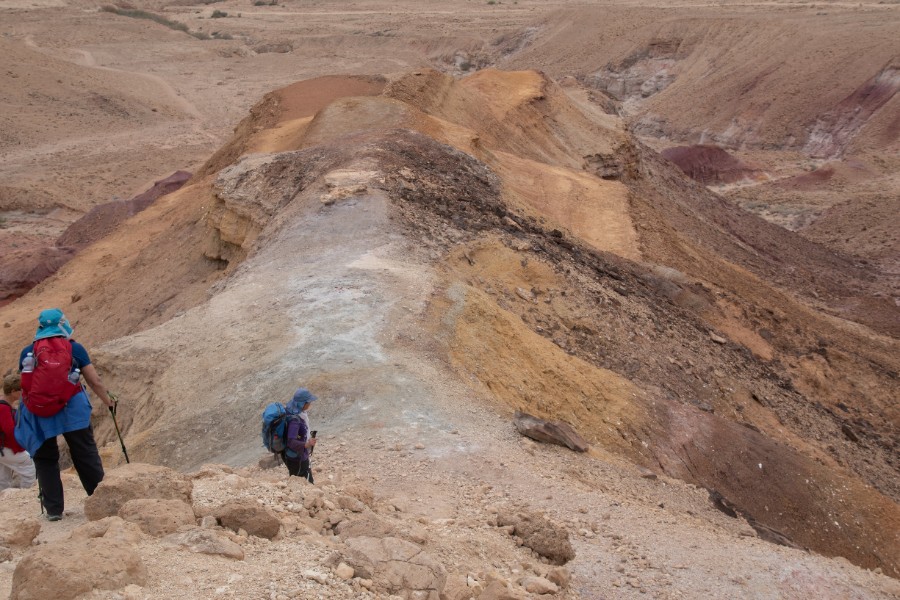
{"points": [[299, 442]]}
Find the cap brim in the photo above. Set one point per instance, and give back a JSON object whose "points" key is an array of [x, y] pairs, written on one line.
{"points": [[63, 329]]}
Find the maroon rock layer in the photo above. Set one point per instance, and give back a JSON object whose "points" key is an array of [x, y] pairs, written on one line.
{"points": [[710, 164]]}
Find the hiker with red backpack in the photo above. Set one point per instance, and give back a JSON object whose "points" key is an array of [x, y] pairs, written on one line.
{"points": [[54, 402], [16, 467]]}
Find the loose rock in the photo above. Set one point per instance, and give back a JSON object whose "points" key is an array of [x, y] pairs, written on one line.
{"points": [[133, 481], [204, 541], [158, 517], [66, 569], [18, 531], [250, 517]]}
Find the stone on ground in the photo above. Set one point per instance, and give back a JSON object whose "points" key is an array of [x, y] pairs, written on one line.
{"points": [[133, 481], [18, 531], [551, 432], [249, 516], [206, 541], [544, 537], [396, 566], [67, 569], [158, 517], [110, 528]]}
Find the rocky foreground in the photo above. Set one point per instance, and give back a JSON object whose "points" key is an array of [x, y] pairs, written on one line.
{"points": [[220, 532], [154, 532]]}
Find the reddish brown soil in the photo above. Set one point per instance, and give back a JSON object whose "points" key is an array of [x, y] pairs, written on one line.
{"points": [[710, 164], [809, 180], [27, 262], [27, 259], [103, 219]]}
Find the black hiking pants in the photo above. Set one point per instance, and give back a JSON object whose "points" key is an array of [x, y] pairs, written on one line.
{"points": [[297, 467], [87, 463]]}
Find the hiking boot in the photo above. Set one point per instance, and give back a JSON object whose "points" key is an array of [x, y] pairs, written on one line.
{"points": [[54, 517]]}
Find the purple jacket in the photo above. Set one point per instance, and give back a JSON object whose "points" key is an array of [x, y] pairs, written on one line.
{"points": [[297, 434]]}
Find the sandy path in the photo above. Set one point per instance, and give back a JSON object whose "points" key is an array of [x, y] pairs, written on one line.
{"points": [[131, 139], [88, 60]]}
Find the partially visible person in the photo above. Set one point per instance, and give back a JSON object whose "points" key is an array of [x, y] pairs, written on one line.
{"points": [[45, 391], [16, 466], [298, 439]]}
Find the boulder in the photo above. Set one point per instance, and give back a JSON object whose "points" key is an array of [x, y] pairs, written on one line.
{"points": [[362, 493], [158, 517], [350, 503], [109, 528], [251, 517], [67, 569], [206, 541], [551, 432], [501, 591], [396, 567], [560, 576], [134, 481], [344, 571], [365, 525], [544, 537], [456, 588], [17, 531], [538, 585]]}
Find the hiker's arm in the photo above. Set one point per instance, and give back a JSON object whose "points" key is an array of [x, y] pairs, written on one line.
{"points": [[309, 440], [295, 434], [93, 380]]}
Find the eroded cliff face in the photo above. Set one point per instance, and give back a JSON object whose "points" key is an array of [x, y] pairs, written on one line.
{"points": [[490, 240], [834, 131]]}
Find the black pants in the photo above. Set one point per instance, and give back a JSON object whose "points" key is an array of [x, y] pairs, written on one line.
{"points": [[297, 467], [85, 458]]}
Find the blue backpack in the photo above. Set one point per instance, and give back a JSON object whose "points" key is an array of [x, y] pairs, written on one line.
{"points": [[274, 427]]}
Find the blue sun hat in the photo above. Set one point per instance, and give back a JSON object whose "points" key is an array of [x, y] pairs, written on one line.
{"points": [[301, 397], [53, 323]]}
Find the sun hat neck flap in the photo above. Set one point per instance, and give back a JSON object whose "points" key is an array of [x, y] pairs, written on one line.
{"points": [[53, 323], [301, 397]]}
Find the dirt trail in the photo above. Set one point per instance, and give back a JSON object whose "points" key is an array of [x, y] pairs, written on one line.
{"points": [[186, 105], [165, 89]]}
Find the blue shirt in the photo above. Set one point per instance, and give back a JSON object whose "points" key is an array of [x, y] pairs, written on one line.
{"points": [[32, 431]]}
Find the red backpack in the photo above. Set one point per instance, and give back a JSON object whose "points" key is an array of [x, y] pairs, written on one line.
{"points": [[47, 389]]}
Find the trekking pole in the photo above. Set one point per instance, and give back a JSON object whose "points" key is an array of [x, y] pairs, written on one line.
{"points": [[309, 473], [112, 411]]}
